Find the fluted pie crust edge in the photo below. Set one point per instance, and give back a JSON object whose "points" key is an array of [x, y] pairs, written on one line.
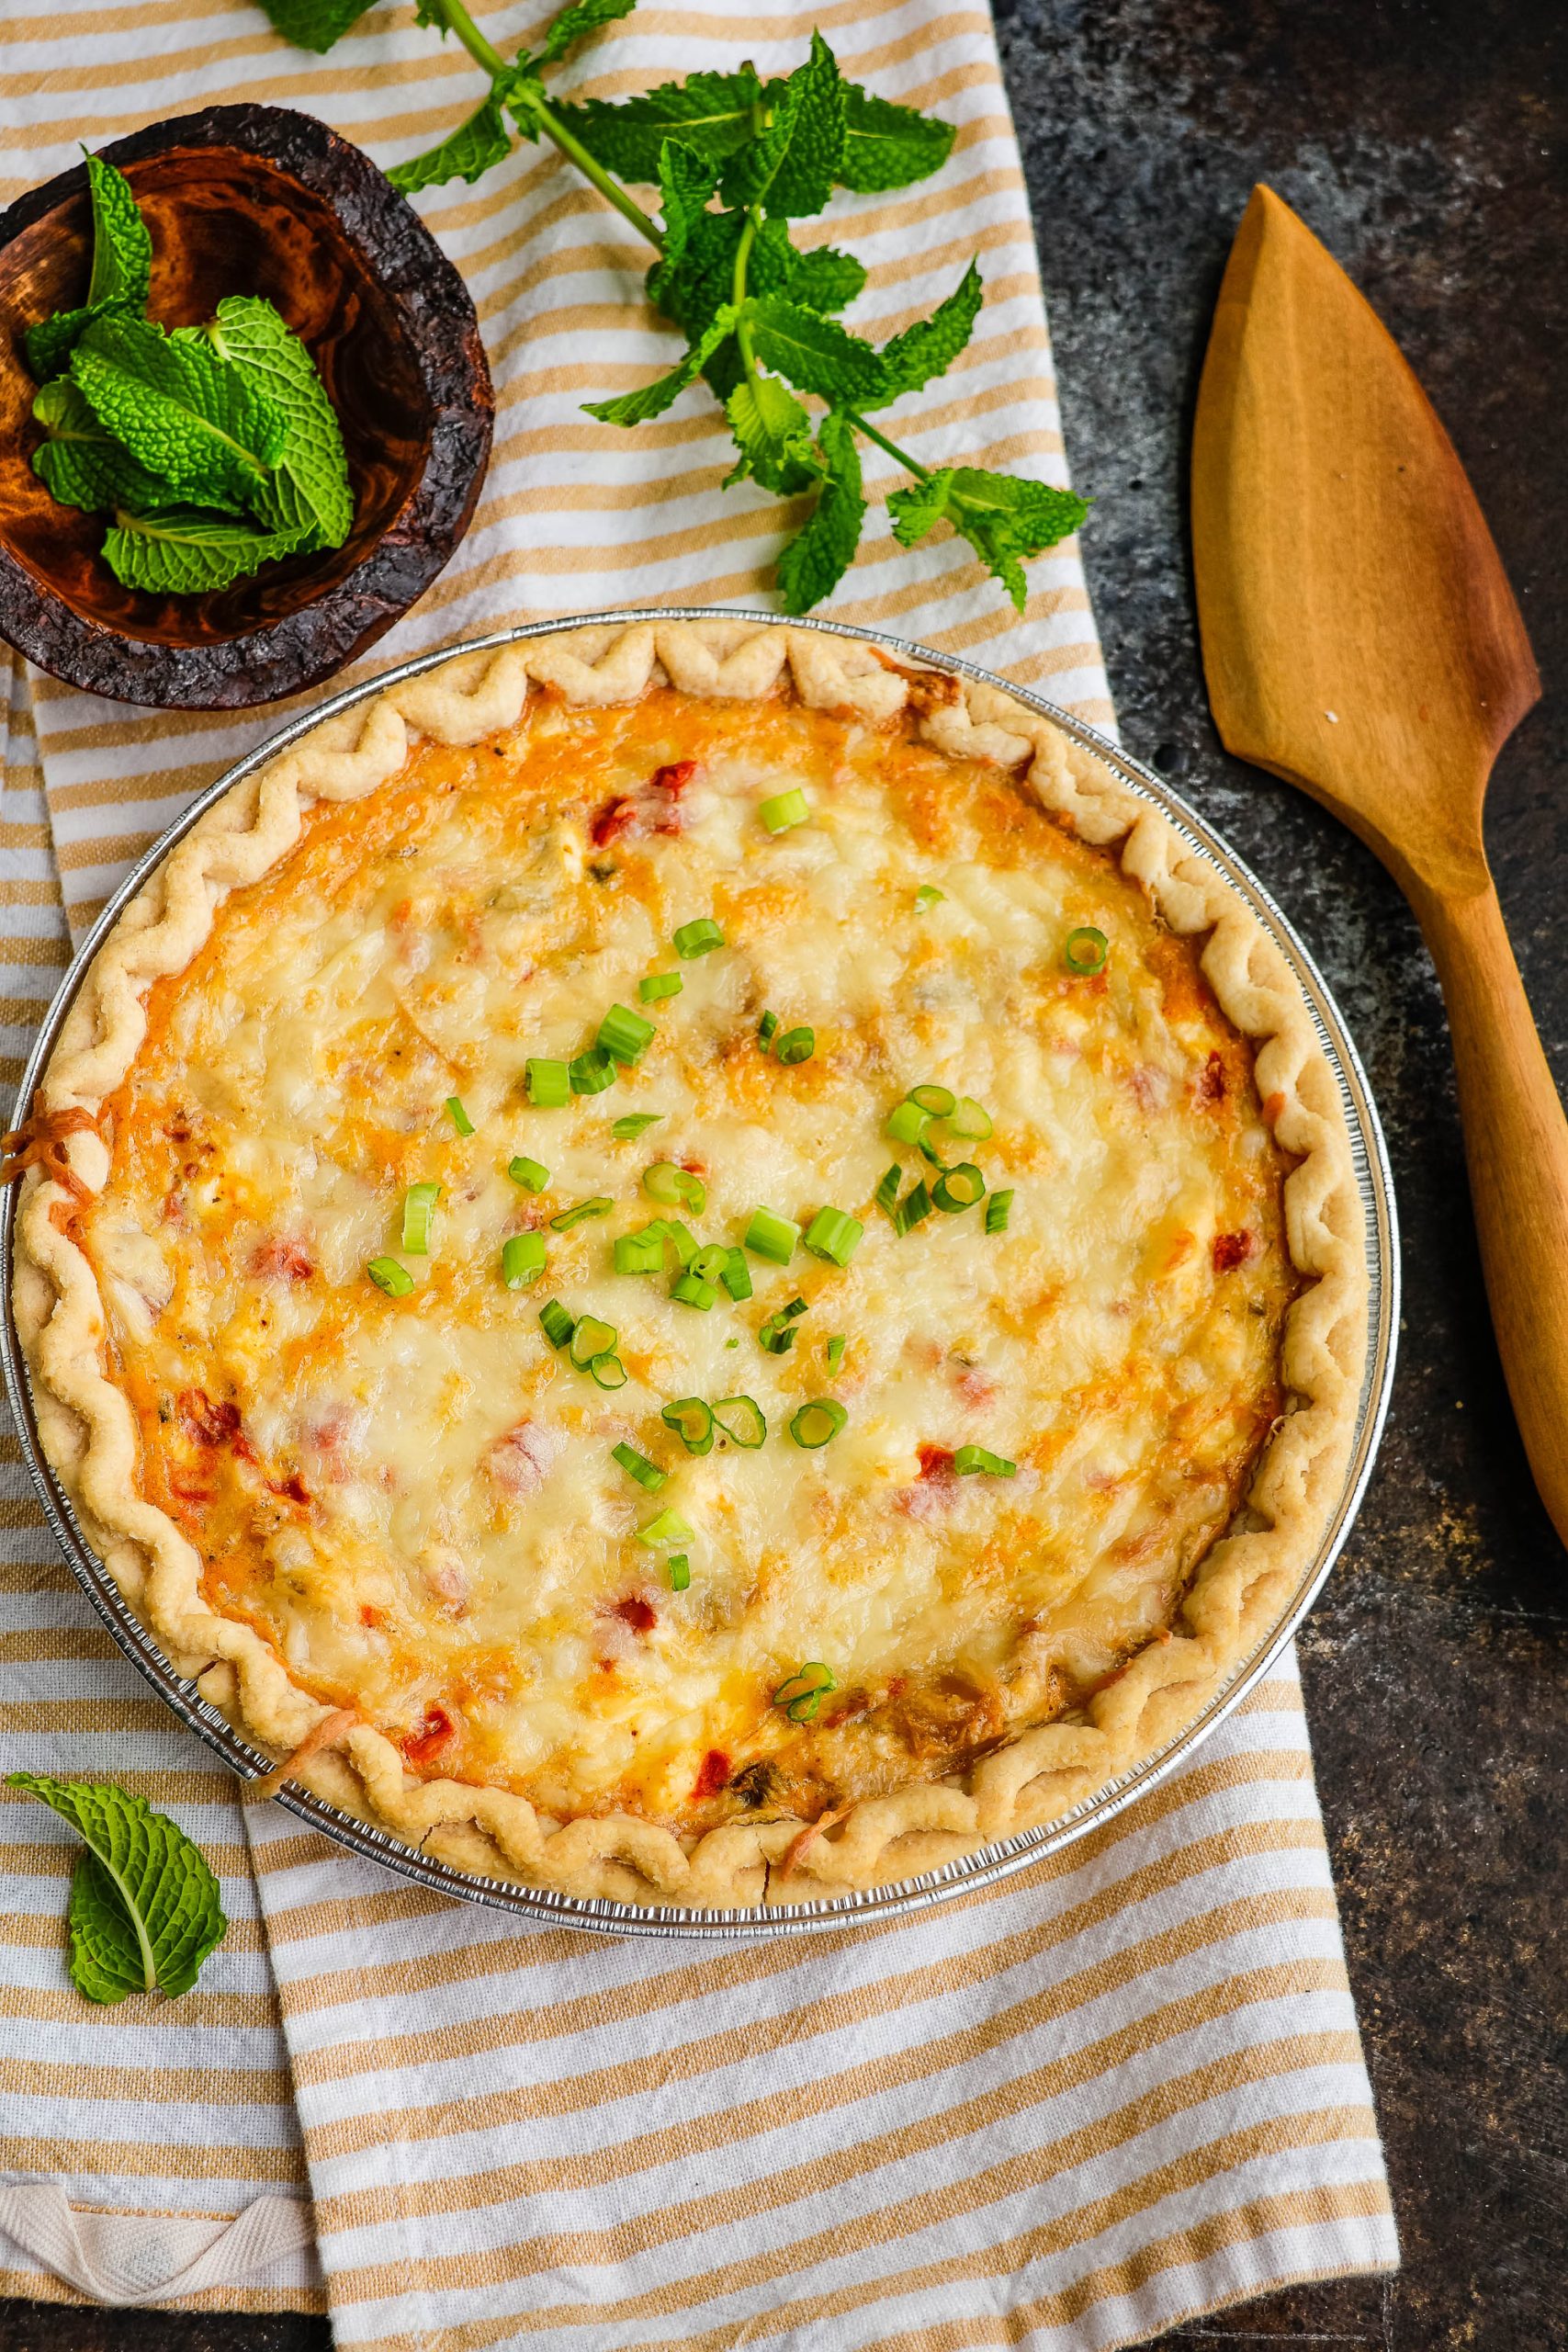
{"points": [[1240, 1588]]}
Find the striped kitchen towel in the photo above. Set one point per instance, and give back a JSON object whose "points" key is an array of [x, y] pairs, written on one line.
{"points": [[1121, 2088]]}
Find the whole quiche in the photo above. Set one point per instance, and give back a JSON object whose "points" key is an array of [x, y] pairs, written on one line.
{"points": [[686, 1262]]}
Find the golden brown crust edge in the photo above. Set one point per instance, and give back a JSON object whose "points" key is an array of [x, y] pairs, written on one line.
{"points": [[1243, 1583]]}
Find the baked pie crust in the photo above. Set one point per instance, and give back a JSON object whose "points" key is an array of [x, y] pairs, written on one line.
{"points": [[386, 1536]]}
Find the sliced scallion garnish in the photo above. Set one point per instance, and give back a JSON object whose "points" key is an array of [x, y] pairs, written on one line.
{"points": [[666, 1528], [796, 1046], [625, 1033], [784, 809], [742, 1420], [681, 1237], [998, 1208], [699, 938], [639, 1253], [927, 895], [771, 1236], [959, 1188], [634, 1124], [528, 1173], [558, 1325], [767, 1028], [834, 1235], [419, 1211], [547, 1084], [907, 1122], [636, 1466], [776, 1335], [969, 1119], [607, 1370], [971, 1458], [590, 1339], [692, 1422], [735, 1276], [802, 1692], [680, 1569], [458, 1116], [580, 1211], [592, 1072], [817, 1421], [915, 1207], [388, 1276], [711, 1263], [886, 1193], [660, 984], [690, 1290], [1085, 951], [836, 1347], [675, 1187], [521, 1260], [938, 1100]]}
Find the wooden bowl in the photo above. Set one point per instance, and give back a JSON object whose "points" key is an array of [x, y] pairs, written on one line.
{"points": [[250, 200]]}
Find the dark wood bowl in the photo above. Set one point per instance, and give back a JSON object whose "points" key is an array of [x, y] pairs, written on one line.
{"points": [[250, 200]]}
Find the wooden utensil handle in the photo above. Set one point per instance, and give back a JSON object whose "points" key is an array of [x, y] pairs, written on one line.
{"points": [[1515, 1140]]}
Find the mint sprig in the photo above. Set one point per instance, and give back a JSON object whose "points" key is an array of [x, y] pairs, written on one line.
{"points": [[737, 161], [144, 1906]]}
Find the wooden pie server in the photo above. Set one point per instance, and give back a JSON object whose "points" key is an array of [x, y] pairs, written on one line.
{"points": [[1360, 639]]}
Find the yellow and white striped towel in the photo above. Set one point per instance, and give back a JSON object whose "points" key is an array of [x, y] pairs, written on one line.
{"points": [[1122, 2087]]}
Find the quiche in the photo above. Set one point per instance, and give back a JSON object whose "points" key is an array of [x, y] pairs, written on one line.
{"points": [[687, 1262]]}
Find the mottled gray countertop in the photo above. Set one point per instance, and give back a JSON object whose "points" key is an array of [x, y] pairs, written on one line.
{"points": [[1424, 141]]}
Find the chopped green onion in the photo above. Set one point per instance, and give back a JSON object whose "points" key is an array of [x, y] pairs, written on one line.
{"points": [[680, 1569], [564, 1219], [458, 1116], [771, 1236], [592, 1072], [834, 1236], [668, 1528], [388, 1276], [968, 1119], [521, 1260], [735, 1278], [1085, 951], [692, 1422], [608, 1370], [803, 1693], [528, 1173], [929, 1153], [970, 1458], [915, 1207], [907, 1122], [742, 1421], [592, 1338], [836, 1347], [636, 1466], [419, 1209], [886, 1193], [660, 984], [959, 1188], [796, 1307], [671, 1187], [634, 1124], [732, 1343], [711, 1263], [558, 1325], [547, 1084], [817, 1422], [776, 1335], [639, 1253], [927, 895], [767, 1028], [681, 1237], [784, 809], [998, 1208], [699, 938], [691, 1291], [937, 1100], [626, 1033], [796, 1046]]}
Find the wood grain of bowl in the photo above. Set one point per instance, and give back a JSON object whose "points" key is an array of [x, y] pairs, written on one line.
{"points": [[250, 199]]}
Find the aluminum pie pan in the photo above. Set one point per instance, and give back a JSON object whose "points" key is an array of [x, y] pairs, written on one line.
{"points": [[987, 1864]]}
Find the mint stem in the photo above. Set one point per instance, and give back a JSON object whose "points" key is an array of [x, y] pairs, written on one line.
{"points": [[473, 41], [571, 147], [912, 465]]}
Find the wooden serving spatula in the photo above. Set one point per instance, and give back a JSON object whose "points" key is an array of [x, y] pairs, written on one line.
{"points": [[1360, 639]]}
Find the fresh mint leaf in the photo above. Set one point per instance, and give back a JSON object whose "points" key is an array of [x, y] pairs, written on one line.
{"points": [[122, 250], [81, 463], [824, 279], [635, 408], [50, 343], [811, 566], [712, 112], [144, 1906], [816, 353], [773, 434], [186, 552], [1005, 517], [314, 23], [686, 183], [308, 494], [180, 410], [930, 347], [887, 146], [583, 16], [464, 154], [792, 167]]}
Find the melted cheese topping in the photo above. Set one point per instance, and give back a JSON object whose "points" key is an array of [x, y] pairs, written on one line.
{"points": [[414, 1499]]}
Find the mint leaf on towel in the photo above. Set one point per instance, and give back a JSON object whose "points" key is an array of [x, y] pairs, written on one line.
{"points": [[793, 165], [314, 23], [144, 1906], [1003, 517], [817, 355], [930, 347], [181, 410], [773, 433], [82, 463], [712, 113], [309, 492], [888, 146], [811, 566], [652, 399], [583, 16], [463, 155], [186, 552]]}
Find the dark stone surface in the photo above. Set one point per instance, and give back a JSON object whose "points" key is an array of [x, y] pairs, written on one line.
{"points": [[1424, 140]]}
